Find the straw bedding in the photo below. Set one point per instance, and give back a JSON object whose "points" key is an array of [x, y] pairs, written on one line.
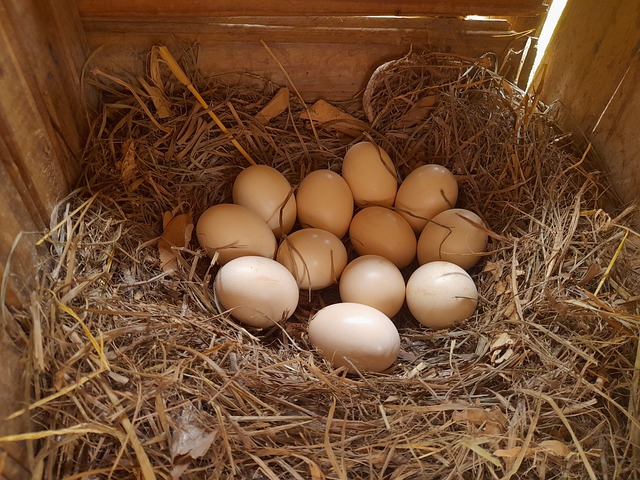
{"points": [[137, 373]]}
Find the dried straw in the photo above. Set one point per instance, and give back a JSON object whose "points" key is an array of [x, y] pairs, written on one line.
{"points": [[140, 374]]}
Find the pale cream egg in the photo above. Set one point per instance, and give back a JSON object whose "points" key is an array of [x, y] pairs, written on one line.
{"points": [[441, 295], [257, 291], [355, 336]]}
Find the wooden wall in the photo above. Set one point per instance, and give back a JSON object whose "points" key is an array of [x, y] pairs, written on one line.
{"points": [[42, 129], [42, 122], [594, 72], [329, 47]]}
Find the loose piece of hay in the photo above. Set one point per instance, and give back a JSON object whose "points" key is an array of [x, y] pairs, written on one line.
{"points": [[538, 384]]}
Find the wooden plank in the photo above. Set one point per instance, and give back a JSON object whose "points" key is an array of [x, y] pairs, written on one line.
{"points": [[351, 64], [16, 218], [149, 8], [593, 72], [27, 135], [306, 44], [42, 124], [441, 36], [13, 397], [37, 120], [329, 23], [20, 213], [38, 33], [616, 137]]}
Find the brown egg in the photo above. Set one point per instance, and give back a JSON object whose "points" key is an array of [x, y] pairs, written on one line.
{"points": [[370, 174], [427, 191], [381, 231], [325, 201], [315, 257], [355, 336], [441, 295], [266, 192], [375, 281], [234, 231], [451, 238]]}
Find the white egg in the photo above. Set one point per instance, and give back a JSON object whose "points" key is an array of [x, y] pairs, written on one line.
{"points": [[441, 295], [355, 336], [257, 291]]}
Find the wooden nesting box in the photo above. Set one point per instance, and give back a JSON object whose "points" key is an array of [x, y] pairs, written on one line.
{"points": [[329, 48]]}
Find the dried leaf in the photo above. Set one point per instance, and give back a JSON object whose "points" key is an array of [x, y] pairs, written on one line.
{"points": [[502, 348], [188, 437], [513, 452], [592, 272], [510, 310], [555, 447], [178, 470], [503, 339], [495, 268], [474, 415], [177, 233], [128, 168], [334, 118], [493, 421], [418, 111], [159, 99], [278, 104], [315, 471]]}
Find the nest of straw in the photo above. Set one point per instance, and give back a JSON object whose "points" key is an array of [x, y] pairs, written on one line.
{"points": [[138, 374]]}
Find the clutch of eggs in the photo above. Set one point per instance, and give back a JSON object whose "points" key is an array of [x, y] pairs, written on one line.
{"points": [[265, 262]]}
